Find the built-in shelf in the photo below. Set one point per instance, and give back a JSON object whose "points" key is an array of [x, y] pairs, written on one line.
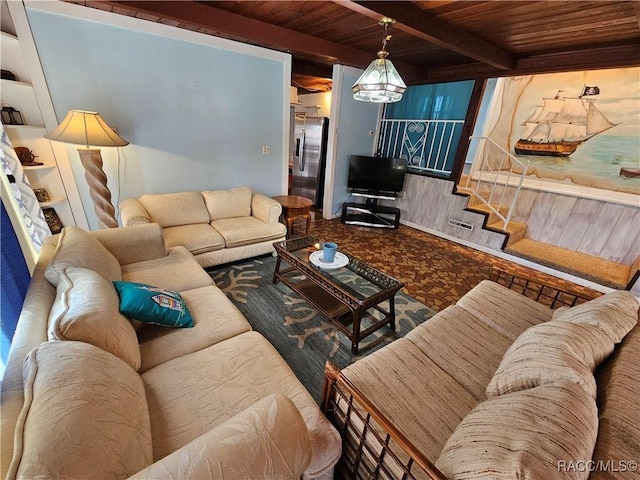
{"points": [[38, 167], [15, 83], [52, 202], [25, 127], [21, 95]]}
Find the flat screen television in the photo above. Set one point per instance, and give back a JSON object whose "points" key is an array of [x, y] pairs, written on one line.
{"points": [[378, 176]]}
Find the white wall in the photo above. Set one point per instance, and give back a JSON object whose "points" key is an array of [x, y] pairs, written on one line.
{"points": [[196, 109], [319, 103]]}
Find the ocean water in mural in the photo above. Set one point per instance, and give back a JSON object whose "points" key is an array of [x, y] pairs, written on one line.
{"points": [[601, 157]]}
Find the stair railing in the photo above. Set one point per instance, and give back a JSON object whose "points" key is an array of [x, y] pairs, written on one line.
{"points": [[496, 178]]}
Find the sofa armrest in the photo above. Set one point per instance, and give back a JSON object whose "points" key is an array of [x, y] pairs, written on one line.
{"points": [[267, 440], [133, 213], [369, 440], [264, 208], [133, 244]]}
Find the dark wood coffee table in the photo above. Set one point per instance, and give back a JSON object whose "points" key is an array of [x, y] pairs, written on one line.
{"points": [[345, 300]]}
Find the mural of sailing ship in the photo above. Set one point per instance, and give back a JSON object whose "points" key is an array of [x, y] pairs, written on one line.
{"points": [[561, 124]]}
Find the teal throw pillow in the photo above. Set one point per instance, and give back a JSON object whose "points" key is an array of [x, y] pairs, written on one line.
{"points": [[153, 305]]}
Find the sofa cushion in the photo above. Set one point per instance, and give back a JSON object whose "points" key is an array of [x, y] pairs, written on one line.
{"points": [[177, 271], [85, 415], [619, 426], [504, 310], [150, 304], [86, 310], [171, 209], [473, 358], [197, 238], [235, 202], [247, 230], [529, 434], [616, 313], [77, 248], [549, 352], [396, 395], [215, 319], [229, 377], [268, 440]]}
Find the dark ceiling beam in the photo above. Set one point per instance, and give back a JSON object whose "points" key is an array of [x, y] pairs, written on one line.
{"points": [[427, 26], [311, 69], [261, 33], [614, 56], [636, 7]]}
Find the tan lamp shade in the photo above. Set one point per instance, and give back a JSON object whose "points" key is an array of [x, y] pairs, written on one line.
{"points": [[86, 128]]}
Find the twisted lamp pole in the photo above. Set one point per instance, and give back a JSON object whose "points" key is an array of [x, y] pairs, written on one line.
{"points": [[89, 128]]}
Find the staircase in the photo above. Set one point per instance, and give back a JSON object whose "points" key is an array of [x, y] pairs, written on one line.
{"points": [[515, 230], [592, 268]]}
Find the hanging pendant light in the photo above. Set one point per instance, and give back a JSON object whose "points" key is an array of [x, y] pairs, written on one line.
{"points": [[380, 82]]}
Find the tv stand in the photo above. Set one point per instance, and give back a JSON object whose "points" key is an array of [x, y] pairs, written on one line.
{"points": [[370, 214]]}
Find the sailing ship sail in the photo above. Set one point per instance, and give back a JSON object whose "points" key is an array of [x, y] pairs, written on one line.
{"points": [[561, 124]]}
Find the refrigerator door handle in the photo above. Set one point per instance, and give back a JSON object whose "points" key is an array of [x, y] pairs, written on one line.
{"points": [[301, 154]]}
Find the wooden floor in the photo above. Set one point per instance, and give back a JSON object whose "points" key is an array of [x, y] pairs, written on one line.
{"points": [[435, 271]]}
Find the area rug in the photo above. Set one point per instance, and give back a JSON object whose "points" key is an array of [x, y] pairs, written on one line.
{"points": [[303, 337]]}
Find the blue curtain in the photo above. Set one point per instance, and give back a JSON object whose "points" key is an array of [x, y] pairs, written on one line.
{"points": [[14, 281], [438, 101]]}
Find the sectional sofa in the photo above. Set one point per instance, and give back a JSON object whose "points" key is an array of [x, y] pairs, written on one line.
{"points": [[217, 227], [88, 393]]}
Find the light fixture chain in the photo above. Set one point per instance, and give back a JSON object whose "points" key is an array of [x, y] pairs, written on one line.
{"points": [[385, 37]]}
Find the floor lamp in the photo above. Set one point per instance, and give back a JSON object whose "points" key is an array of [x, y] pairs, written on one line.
{"points": [[89, 128]]}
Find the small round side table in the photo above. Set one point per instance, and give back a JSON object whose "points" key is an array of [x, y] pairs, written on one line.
{"points": [[293, 207]]}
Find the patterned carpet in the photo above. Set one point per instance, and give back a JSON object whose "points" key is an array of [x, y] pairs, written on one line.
{"points": [[303, 337], [435, 271]]}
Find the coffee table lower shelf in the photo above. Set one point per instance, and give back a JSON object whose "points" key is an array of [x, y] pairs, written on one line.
{"points": [[346, 319]]}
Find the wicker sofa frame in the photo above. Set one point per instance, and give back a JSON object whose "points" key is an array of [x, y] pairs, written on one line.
{"points": [[361, 424]]}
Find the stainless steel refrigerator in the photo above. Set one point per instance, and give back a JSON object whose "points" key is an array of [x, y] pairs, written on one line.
{"points": [[309, 158]]}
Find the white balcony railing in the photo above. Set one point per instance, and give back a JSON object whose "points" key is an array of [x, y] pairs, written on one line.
{"points": [[427, 145]]}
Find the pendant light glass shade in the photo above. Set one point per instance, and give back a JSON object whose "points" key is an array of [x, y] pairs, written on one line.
{"points": [[380, 82]]}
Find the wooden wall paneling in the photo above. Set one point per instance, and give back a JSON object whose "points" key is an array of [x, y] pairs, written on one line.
{"points": [[582, 215], [623, 244], [444, 204], [540, 211], [524, 205], [597, 235], [558, 217]]}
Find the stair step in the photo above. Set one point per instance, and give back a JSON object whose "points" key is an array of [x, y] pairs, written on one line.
{"points": [[466, 191], [516, 230], [482, 208], [595, 269]]}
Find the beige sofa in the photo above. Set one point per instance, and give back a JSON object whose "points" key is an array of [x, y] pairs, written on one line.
{"points": [[497, 386], [86, 395], [215, 226]]}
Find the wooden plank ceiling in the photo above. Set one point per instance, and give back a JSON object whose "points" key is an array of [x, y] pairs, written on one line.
{"points": [[432, 40]]}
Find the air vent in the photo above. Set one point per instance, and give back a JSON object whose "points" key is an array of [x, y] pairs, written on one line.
{"points": [[459, 224]]}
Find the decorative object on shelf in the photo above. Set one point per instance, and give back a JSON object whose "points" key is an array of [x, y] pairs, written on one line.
{"points": [[50, 215], [11, 116], [380, 82], [89, 128], [42, 195], [26, 157], [8, 75]]}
